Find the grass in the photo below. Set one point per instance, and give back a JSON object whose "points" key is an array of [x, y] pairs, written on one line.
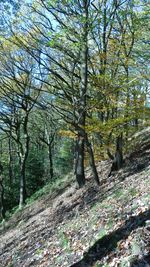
{"points": [[39, 251], [85, 228], [52, 187], [110, 224], [135, 249], [91, 219], [133, 192], [64, 240], [9, 214], [126, 261], [101, 233]]}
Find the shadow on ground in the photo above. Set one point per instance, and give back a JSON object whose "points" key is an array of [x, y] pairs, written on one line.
{"points": [[108, 243], [143, 262]]}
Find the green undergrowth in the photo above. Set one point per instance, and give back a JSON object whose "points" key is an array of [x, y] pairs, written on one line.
{"points": [[52, 188]]}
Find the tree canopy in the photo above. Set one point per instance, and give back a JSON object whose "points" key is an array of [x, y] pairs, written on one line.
{"points": [[74, 87]]}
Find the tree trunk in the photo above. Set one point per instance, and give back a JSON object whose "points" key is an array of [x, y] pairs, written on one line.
{"points": [[50, 160], [10, 160], [80, 175], [127, 104], [79, 166], [22, 183], [23, 155], [92, 161], [2, 204], [136, 123], [118, 158]]}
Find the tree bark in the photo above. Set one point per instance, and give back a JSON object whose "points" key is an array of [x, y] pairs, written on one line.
{"points": [[50, 160], [22, 182], [79, 166], [2, 202], [3, 210], [92, 161], [10, 160], [80, 153], [118, 158], [48, 140], [23, 155]]}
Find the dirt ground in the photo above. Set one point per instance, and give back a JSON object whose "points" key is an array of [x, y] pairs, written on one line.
{"points": [[63, 229]]}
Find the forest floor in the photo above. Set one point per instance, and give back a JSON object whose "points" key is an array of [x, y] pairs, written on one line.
{"points": [[105, 226]]}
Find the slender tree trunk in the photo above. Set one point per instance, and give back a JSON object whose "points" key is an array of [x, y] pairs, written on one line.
{"points": [[48, 140], [136, 123], [118, 158], [2, 203], [23, 193], [80, 153], [50, 160], [119, 153], [79, 167], [23, 155], [104, 41], [10, 160], [127, 103], [92, 161], [22, 183]]}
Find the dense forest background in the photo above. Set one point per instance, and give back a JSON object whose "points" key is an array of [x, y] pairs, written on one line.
{"points": [[74, 88]]}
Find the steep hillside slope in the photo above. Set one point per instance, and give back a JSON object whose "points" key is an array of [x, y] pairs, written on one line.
{"points": [[105, 226]]}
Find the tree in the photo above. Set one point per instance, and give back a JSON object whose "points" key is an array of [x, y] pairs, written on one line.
{"points": [[67, 81], [2, 200], [19, 96], [45, 123], [70, 71]]}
